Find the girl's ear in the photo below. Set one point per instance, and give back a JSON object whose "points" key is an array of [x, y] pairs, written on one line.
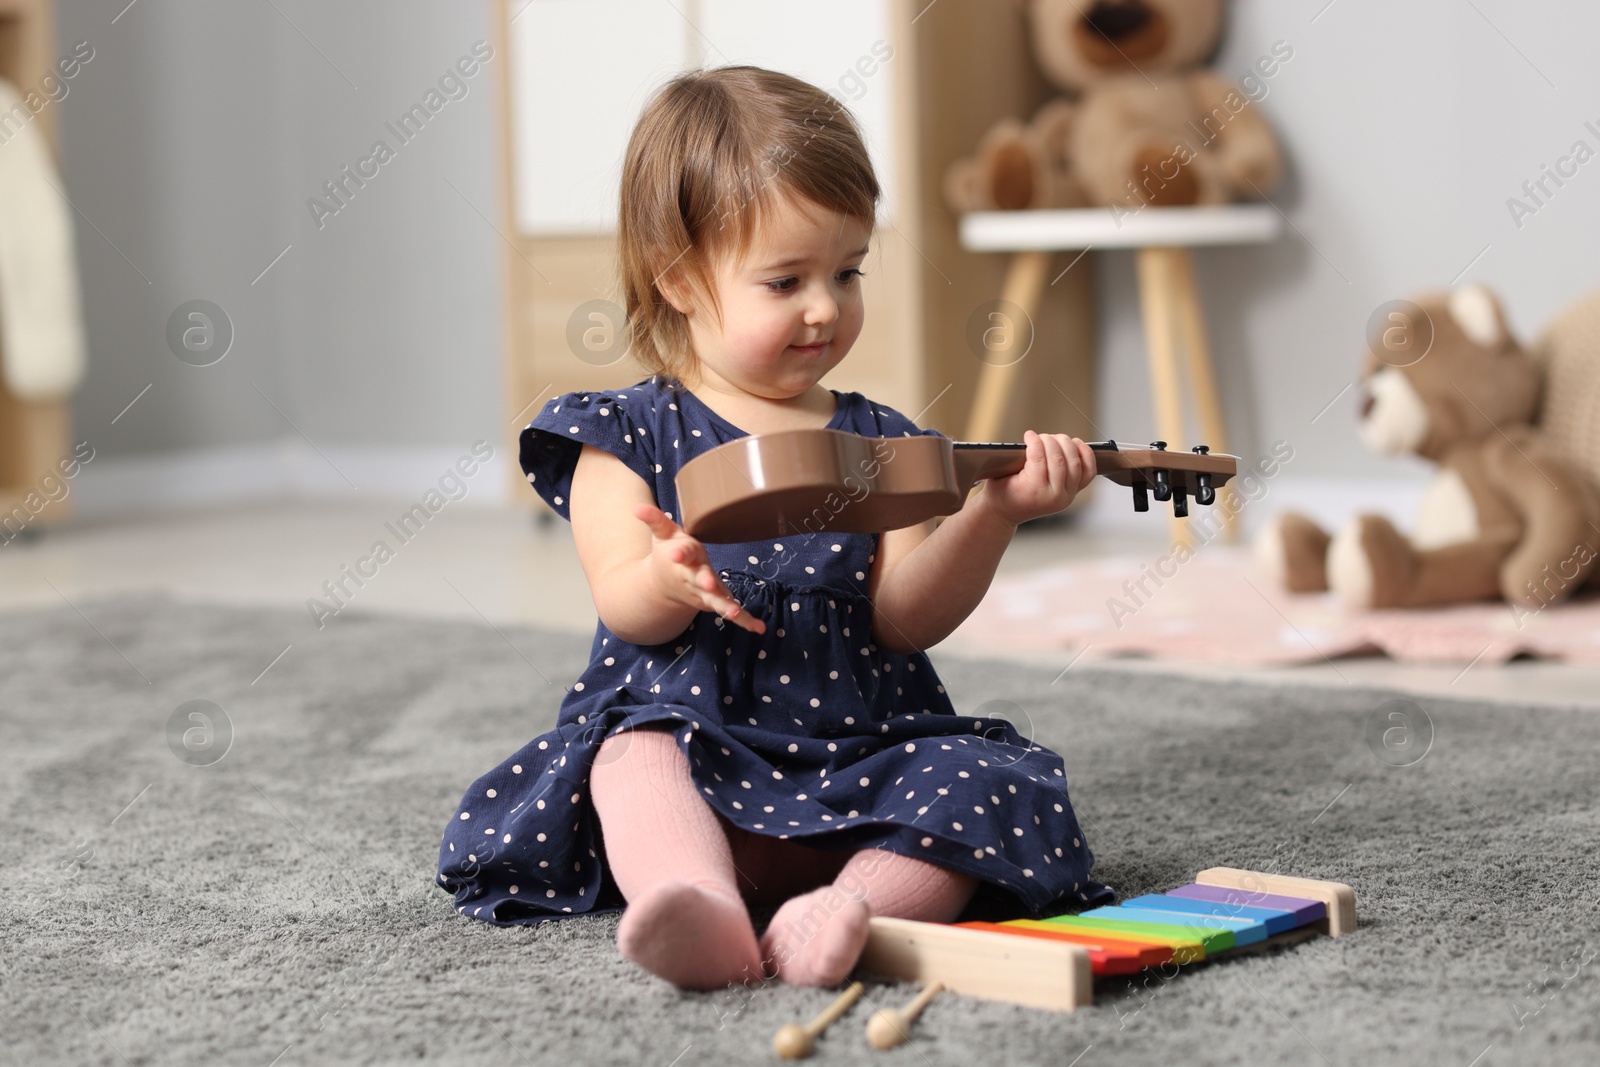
{"points": [[674, 292]]}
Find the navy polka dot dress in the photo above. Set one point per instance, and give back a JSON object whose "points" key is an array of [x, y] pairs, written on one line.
{"points": [[808, 731]]}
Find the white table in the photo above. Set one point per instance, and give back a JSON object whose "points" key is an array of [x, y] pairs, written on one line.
{"points": [[1169, 299]]}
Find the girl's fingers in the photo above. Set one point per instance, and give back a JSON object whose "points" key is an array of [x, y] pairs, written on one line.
{"points": [[717, 597], [723, 603], [653, 517], [1072, 463], [1056, 461], [1035, 447], [712, 584], [1051, 449], [734, 612], [690, 554], [688, 551], [1090, 464], [1068, 463]]}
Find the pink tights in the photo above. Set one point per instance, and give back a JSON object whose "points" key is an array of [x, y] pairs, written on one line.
{"points": [[686, 873]]}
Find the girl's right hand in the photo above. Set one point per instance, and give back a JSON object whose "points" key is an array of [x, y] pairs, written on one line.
{"points": [[682, 570]]}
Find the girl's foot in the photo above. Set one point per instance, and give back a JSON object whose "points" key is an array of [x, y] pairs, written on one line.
{"points": [[693, 936], [816, 938]]}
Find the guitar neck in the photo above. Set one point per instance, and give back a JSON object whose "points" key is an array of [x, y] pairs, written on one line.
{"points": [[976, 461], [1198, 472]]}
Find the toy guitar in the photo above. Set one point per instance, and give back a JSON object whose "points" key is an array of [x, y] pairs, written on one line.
{"points": [[808, 481]]}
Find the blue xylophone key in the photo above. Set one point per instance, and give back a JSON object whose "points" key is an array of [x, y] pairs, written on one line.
{"points": [[1276, 921], [1245, 931], [1304, 911]]}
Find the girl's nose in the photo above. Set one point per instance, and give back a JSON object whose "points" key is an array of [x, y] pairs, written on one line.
{"points": [[822, 309]]}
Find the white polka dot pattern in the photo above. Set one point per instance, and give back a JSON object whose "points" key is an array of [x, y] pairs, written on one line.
{"points": [[806, 730]]}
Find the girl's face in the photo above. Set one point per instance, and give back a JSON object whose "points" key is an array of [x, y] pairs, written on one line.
{"points": [[791, 305]]}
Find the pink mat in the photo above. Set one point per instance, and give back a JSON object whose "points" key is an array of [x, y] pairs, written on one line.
{"points": [[1218, 607]]}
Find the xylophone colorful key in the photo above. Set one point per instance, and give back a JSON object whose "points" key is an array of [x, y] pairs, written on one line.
{"points": [[1190, 944], [1159, 949], [1339, 898], [1106, 955], [1246, 931], [1273, 921], [1153, 952], [1303, 911], [1226, 909]]}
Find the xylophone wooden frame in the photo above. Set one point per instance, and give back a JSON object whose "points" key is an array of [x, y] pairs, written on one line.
{"points": [[1057, 976]]}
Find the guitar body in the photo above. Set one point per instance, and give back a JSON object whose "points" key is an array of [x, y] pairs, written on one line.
{"points": [[810, 481]]}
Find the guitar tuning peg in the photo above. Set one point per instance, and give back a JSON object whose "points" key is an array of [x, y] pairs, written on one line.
{"points": [[1163, 486], [1202, 449], [1141, 497], [1159, 446], [1180, 502], [1203, 492]]}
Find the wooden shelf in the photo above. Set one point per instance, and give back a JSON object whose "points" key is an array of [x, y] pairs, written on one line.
{"points": [[34, 436]]}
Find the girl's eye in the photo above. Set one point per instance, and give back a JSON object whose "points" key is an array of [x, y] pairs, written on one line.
{"points": [[786, 285]]}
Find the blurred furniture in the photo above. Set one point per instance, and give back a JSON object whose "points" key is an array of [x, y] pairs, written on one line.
{"points": [[1168, 297], [34, 435]]}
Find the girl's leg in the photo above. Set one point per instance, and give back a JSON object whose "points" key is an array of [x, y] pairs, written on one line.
{"points": [[685, 921], [816, 938], [770, 871]]}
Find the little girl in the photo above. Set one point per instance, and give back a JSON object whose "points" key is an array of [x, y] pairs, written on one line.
{"points": [[758, 722]]}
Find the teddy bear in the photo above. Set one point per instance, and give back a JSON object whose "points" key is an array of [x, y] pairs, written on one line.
{"points": [[1513, 510], [1144, 123]]}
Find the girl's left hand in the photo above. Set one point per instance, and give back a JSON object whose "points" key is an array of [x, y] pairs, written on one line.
{"points": [[1058, 467]]}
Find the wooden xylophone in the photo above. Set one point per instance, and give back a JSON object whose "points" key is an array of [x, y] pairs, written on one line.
{"points": [[1052, 963]]}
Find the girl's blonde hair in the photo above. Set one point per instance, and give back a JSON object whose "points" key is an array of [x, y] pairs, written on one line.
{"points": [[712, 151]]}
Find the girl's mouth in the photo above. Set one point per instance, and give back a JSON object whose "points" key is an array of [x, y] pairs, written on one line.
{"points": [[811, 350]]}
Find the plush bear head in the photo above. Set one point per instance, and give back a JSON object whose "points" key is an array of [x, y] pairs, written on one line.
{"points": [[1081, 42], [1445, 372]]}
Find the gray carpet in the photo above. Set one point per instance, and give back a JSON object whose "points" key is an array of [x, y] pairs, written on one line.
{"points": [[275, 906]]}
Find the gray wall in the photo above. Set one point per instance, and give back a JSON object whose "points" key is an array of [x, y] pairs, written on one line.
{"points": [[196, 134], [1407, 126], [192, 141]]}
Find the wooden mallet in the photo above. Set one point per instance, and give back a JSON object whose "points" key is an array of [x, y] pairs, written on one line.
{"points": [[887, 1027], [795, 1042]]}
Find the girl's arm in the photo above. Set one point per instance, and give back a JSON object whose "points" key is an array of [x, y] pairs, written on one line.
{"points": [[649, 578], [924, 584]]}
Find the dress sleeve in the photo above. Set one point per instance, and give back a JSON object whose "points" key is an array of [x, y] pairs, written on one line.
{"points": [[549, 445]]}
